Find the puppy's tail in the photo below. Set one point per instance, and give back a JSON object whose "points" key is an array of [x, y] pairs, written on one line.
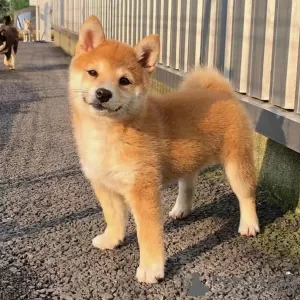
{"points": [[206, 78]]}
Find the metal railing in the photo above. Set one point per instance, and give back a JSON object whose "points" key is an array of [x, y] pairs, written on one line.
{"points": [[254, 43]]}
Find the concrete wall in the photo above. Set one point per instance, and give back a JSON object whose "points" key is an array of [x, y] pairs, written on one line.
{"points": [[43, 20], [278, 167], [65, 41]]}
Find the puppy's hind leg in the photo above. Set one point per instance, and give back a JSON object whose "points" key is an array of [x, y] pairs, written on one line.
{"points": [[241, 174], [184, 200], [6, 60], [9, 59], [12, 60]]}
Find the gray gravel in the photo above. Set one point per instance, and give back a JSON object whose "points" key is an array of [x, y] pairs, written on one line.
{"points": [[49, 215]]}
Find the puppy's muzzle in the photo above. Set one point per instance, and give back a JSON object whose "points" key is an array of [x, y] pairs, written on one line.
{"points": [[103, 95]]}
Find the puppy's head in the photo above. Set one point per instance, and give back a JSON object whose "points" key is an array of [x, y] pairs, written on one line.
{"points": [[3, 39], [109, 78]]}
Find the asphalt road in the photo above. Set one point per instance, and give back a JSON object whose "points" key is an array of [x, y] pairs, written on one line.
{"points": [[49, 215]]}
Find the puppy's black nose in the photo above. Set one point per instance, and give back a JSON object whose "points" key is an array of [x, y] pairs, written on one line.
{"points": [[103, 95]]}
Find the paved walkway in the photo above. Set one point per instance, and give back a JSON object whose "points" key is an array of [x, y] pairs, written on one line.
{"points": [[48, 214]]}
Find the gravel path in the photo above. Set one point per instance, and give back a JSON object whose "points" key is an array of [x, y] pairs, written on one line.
{"points": [[49, 215]]}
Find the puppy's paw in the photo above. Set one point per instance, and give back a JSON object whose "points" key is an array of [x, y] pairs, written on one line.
{"points": [[152, 274], [179, 211], [105, 241], [249, 227]]}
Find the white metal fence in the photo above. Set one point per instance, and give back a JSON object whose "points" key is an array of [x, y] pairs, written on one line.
{"points": [[255, 43]]}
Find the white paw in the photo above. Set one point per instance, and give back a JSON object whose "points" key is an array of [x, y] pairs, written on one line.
{"points": [[104, 241], [179, 212], [151, 274], [249, 227]]}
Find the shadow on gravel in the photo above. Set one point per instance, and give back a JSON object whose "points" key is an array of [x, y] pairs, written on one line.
{"points": [[9, 106], [17, 281], [7, 112], [25, 181], [226, 208], [35, 68], [8, 231]]}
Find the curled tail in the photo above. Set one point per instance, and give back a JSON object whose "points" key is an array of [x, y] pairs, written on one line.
{"points": [[206, 78]]}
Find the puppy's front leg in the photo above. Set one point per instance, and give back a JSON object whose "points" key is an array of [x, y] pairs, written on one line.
{"points": [[115, 212], [147, 212]]}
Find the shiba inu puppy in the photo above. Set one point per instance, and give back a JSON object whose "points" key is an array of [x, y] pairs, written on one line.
{"points": [[27, 31], [130, 143], [9, 40]]}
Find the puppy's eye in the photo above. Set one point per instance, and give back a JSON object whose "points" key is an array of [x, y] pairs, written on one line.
{"points": [[124, 81], [92, 73]]}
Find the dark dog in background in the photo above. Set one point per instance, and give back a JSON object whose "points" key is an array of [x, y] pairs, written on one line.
{"points": [[9, 39]]}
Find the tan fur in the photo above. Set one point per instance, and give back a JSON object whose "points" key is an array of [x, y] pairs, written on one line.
{"points": [[27, 31], [128, 154], [10, 62], [203, 77]]}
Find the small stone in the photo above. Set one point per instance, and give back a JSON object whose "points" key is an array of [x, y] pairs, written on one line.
{"points": [[39, 285], [50, 291], [107, 296], [13, 270]]}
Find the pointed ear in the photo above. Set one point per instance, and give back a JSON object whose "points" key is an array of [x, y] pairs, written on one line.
{"points": [[147, 52], [91, 35]]}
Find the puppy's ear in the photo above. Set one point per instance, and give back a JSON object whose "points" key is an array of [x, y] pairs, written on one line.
{"points": [[91, 35], [147, 52]]}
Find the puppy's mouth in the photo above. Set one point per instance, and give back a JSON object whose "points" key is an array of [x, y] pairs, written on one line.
{"points": [[100, 107]]}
